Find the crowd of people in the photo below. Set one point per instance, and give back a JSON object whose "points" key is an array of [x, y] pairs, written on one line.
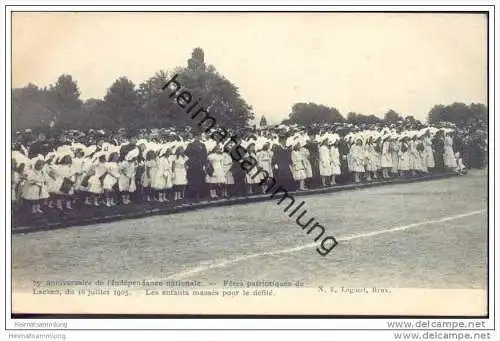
{"points": [[61, 171]]}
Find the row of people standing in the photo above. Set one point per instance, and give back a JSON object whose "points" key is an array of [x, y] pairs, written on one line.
{"points": [[145, 171]]}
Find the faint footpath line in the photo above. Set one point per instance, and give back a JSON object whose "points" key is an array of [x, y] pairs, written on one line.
{"points": [[209, 265]]}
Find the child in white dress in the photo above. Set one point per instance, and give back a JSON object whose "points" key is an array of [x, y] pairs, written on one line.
{"points": [[325, 162], [450, 161], [403, 157], [110, 179], [228, 171], [298, 167], [65, 182], [95, 181], [34, 189], [128, 169], [413, 156], [306, 159], [335, 160], [358, 156], [386, 158], [161, 181], [180, 173], [217, 177], [395, 147], [264, 159]]}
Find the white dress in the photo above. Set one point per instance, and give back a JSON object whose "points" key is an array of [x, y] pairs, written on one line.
{"points": [[35, 185], [335, 160], [111, 177], [404, 158], [228, 164], [371, 158], [449, 156], [216, 160], [298, 165], [95, 184], [180, 173], [358, 156], [413, 155], [79, 170], [53, 180], [126, 182], [161, 174], [386, 159], [395, 147], [325, 163], [307, 163], [147, 175], [428, 153], [264, 159], [64, 172]]}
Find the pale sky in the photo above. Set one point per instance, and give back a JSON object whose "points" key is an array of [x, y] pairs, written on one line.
{"points": [[366, 63]]}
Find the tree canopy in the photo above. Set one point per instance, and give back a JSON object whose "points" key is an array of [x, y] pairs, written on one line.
{"points": [[458, 113], [309, 113]]}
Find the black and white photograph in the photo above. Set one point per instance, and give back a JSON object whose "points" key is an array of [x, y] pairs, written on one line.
{"points": [[249, 163]]}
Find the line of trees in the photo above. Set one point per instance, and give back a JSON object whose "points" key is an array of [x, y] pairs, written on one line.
{"points": [[146, 105], [458, 113], [126, 105]]}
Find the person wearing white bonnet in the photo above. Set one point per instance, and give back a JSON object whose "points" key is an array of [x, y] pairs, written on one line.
{"points": [[94, 184], [404, 155], [370, 166], [179, 165], [306, 156], [128, 169], [357, 157], [429, 160], [265, 161], [216, 176], [450, 161], [112, 175], [386, 155], [395, 147], [298, 166], [162, 173], [334, 157], [64, 176], [34, 188], [325, 162]]}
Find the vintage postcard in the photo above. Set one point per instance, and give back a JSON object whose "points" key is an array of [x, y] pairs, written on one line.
{"points": [[249, 163]]}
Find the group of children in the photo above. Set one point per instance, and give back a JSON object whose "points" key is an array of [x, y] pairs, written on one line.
{"points": [[104, 175], [97, 177]]}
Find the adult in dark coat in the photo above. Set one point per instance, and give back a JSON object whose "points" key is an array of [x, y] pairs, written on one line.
{"points": [[345, 175], [282, 160], [313, 149], [197, 154], [438, 147], [477, 152]]}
